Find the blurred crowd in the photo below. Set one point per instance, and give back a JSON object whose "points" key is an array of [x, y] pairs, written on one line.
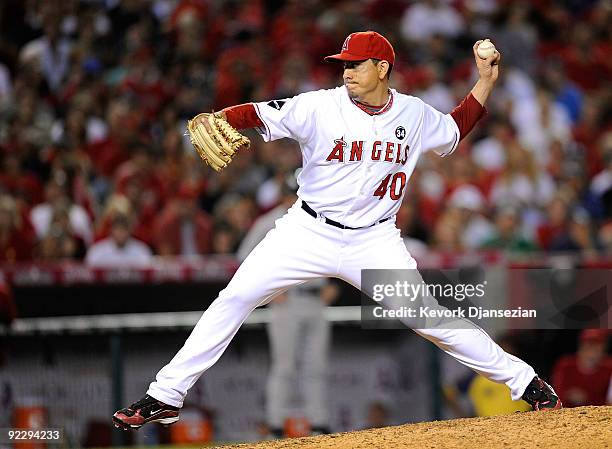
{"points": [[94, 98]]}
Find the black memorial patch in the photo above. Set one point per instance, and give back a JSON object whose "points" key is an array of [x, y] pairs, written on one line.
{"points": [[277, 104], [400, 132]]}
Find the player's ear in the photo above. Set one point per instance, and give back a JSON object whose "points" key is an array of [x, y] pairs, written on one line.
{"points": [[383, 69]]}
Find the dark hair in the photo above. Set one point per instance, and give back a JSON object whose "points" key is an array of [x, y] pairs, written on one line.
{"points": [[376, 61]]}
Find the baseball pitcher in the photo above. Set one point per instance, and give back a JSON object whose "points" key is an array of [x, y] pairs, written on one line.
{"points": [[360, 143]]}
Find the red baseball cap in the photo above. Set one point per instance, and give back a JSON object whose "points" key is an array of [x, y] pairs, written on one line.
{"points": [[364, 45]]}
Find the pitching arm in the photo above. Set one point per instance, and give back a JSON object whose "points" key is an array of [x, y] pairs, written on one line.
{"points": [[472, 109]]}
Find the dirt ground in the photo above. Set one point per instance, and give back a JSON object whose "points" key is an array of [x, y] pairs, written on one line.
{"points": [[575, 428]]}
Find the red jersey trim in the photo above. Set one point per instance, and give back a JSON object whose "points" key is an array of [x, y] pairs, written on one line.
{"points": [[264, 128], [382, 110]]}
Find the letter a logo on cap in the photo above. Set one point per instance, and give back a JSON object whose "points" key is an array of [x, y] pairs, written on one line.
{"points": [[364, 45], [346, 42]]}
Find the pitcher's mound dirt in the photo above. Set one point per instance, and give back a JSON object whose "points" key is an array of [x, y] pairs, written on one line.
{"points": [[572, 428]]}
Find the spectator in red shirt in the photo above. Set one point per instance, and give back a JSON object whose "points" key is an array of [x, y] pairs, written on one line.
{"points": [[107, 154], [140, 169], [140, 183], [584, 378], [182, 228], [581, 63], [556, 224], [15, 241]]}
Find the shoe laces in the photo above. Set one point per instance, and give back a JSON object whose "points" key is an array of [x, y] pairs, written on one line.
{"points": [[138, 405]]}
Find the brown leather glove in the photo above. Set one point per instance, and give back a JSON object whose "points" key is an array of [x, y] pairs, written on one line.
{"points": [[218, 145]]}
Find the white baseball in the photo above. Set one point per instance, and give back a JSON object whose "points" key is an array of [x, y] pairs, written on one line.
{"points": [[485, 49]]}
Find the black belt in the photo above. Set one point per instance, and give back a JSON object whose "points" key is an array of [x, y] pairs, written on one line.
{"points": [[310, 211]]}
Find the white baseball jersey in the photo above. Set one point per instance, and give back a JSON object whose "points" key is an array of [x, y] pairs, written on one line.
{"points": [[355, 165]]}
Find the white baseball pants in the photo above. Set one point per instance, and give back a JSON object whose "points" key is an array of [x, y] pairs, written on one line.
{"points": [[299, 248]]}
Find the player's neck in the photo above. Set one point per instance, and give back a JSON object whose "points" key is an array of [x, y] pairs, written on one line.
{"points": [[376, 98]]}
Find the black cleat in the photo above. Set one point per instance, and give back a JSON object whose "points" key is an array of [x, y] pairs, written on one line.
{"points": [[146, 410], [541, 396]]}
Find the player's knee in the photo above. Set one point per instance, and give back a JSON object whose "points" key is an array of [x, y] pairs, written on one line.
{"points": [[240, 295]]}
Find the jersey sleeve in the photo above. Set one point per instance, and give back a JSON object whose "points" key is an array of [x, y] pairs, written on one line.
{"points": [[290, 117], [439, 132]]}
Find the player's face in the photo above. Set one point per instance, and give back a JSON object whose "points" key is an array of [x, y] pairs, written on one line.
{"points": [[360, 77]]}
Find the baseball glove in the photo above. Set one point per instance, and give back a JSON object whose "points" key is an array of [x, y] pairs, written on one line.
{"points": [[217, 147]]}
